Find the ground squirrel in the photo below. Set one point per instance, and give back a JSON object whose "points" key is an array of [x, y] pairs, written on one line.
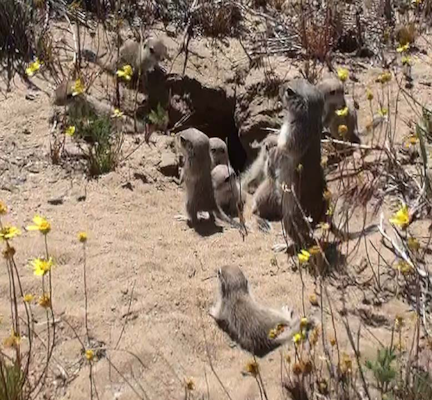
{"points": [[298, 164], [218, 152], [332, 90], [255, 174], [227, 189], [255, 327], [196, 174], [142, 57]]}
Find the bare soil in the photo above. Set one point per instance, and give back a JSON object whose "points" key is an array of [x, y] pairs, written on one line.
{"points": [[148, 275]]}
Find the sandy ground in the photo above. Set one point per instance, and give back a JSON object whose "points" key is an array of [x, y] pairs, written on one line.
{"points": [[148, 274]]}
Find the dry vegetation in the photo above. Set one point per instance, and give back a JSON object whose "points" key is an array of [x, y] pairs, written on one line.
{"points": [[386, 180]]}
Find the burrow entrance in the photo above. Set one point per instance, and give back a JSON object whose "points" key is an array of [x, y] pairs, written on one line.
{"points": [[208, 109]]}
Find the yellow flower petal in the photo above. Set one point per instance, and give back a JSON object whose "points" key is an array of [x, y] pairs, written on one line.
{"points": [[403, 48], [41, 266], [303, 256], [342, 130], [89, 354], [401, 218], [33, 67], [343, 74], [343, 112], [117, 113], [28, 298], [369, 94], [125, 72], [82, 237], [9, 232], [78, 88], [70, 131], [40, 224]]}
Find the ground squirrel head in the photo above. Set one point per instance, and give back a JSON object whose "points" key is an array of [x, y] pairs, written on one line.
{"points": [[232, 281], [333, 91], [194, 144], [301, 99], [156, 49]]}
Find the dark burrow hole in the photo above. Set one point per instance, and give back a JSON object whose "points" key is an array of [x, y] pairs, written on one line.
{"points": [[210, 110]]}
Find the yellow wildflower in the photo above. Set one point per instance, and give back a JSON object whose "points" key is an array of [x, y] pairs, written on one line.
{"points": [[403, 48], [70, 131], [401, 218], [40, 224], [28, 298], [189, 384], [303, 256], [343, 74], [404, 267], [369, 94], [82, 237], [333, 341], [89, 354], [3, 208], [346, 363], [342, 130], [117, 114], [343, 112], [384, 77], [411, 141], [325, 226], [313, 300], [9, 232], [413, 244], [41, 266], [399, 322], [13, 340], [330, 210], [406, 60], [303, 323], [125, 72], [33, 67], [78, 88], [383, 112], [45, 301], [252, 368], [297, 338]]}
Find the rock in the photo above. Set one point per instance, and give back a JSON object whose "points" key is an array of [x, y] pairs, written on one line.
{"points": [[55, 201], [142, 177], [26, 131], [257, 109], [169, 164], [30, 96]]}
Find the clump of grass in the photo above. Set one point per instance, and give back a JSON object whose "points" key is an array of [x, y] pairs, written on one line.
{"points": [[16, 36], [218, 19], [159, 118], [103, 142]]}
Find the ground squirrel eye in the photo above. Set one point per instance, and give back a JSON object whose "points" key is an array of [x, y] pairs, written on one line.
{"points": [[333, 92], [151, 49], [290, 92]]}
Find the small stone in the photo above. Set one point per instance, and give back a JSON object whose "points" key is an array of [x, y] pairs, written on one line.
{"points": [[55, 201], [26, 131], [127, 185], [168, 165], [30, 96], [142, 177]]}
